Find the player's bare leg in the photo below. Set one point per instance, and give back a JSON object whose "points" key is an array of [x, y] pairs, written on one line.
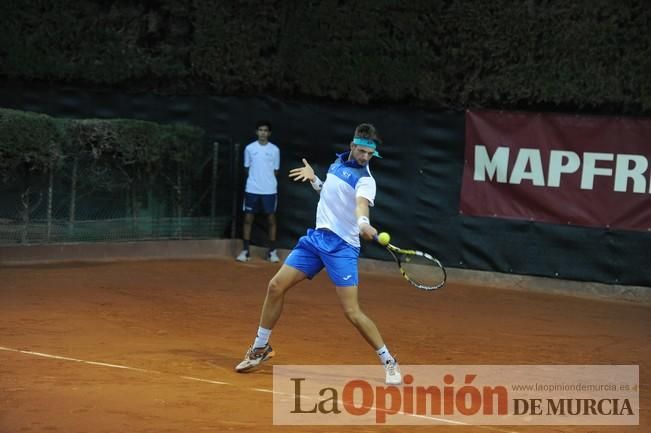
{"points": [[260, 350], [285, 279], [366, 327]]}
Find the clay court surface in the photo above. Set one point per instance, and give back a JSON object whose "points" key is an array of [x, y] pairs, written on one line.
{"points": [[181, 326]]}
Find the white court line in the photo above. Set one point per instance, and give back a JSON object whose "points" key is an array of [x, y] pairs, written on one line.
{"points": [[65, 358], [269, 391], [216, 382]]}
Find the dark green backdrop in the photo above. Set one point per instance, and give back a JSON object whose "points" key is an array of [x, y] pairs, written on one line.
{"points": [[580, 55]]}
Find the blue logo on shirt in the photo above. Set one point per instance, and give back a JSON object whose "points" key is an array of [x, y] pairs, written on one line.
{"points": [[348, 171]]}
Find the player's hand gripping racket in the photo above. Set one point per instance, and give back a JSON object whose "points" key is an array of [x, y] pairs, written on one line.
{"points": [[420, 269]]}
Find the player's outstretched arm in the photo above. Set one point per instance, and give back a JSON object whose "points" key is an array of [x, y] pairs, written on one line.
{"points": [[302, 174], [305, 173]]}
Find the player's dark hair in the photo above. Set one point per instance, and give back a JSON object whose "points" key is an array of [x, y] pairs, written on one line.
{"points": [[367, 130]]}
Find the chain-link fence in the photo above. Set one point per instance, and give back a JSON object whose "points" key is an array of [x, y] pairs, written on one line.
{"points": [[98, 195]]}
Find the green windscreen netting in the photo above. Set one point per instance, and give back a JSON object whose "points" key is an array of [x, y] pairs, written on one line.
{"points": [[110, 180]]}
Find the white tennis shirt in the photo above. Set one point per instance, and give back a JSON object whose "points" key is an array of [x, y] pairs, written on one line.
{"points": [[261, 160], [346, 180]]}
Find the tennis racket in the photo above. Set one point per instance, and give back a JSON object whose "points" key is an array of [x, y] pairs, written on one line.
{"points": [[422, 270]]}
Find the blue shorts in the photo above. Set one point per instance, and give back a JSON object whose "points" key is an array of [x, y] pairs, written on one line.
{"points": [[319, 248], [260, 203]]}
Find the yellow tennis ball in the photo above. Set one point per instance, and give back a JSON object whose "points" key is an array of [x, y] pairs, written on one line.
{"points": [[383, 238]]}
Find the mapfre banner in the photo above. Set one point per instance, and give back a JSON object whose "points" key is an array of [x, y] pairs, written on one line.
{"points": [[576, 170]]}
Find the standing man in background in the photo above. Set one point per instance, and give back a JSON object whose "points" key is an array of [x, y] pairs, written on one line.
{"points": [[261, 164]]}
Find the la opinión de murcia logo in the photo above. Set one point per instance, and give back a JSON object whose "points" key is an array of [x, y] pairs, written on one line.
{"points": [[358, 397], [420, 400]]}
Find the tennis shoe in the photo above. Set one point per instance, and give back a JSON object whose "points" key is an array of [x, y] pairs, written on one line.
{"points": [[273, 256], [393, 375], [254, 357], [243, 256]]}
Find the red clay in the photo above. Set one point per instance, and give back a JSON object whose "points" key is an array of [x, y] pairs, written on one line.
{"points": [[178, 320]]}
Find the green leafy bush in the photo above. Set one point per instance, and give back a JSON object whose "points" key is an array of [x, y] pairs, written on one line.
{"points": [[29, 142], [584, 55]]}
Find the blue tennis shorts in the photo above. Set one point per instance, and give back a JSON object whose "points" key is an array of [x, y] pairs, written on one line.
{"points": [[260, 203], [322, 248]]}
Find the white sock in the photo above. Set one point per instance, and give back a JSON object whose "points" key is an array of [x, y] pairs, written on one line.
{"points": [[384, 355], [262, 338]]}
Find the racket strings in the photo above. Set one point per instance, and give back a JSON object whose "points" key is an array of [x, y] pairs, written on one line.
{"points": [[422, 271]]}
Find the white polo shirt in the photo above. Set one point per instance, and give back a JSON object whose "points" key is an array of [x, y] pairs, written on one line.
{"points": [[261, 160], [346, 181]]}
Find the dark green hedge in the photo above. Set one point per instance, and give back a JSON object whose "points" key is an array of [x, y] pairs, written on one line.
{"points": [[29, 142], [585, 55], [32, 142]]}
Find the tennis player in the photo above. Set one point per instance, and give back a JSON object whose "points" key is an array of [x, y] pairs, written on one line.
{"points": [[342, 216]]}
